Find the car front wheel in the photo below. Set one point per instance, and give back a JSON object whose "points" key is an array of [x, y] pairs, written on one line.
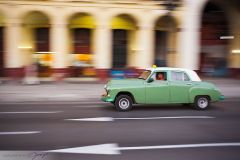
{"points": [[123, 103], [201, 102]]}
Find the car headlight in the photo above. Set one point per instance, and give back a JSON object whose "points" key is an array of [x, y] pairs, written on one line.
{"points": [[104, 93]]}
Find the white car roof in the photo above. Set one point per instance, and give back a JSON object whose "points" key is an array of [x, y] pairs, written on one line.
{"points": [[192, 74]]}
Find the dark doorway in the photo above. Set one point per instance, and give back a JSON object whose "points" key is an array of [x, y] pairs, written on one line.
{"points": [[82, 65], [42, 39], [82, 41], [161, 48], [214, 50], [1, 52], [42, 48], [120, 42]]}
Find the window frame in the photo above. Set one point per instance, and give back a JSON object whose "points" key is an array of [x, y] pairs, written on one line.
{"points": [[183, 78], [153, 75]]}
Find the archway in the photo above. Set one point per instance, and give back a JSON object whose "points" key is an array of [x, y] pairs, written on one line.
{"points": [[215, 35], [165, 41], [35, 42], [123, 37], [82, 26]]}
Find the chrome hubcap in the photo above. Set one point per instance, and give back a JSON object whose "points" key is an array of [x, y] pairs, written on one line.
{"points": [[203, 102], [124, 103]]}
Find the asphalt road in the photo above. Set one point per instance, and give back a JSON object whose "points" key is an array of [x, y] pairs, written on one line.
{"points": [[157, 132]]}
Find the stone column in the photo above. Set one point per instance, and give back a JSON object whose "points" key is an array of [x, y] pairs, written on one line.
{"points": [[102, 50], [59, 47], [12, 57], [189, 42], [145, 47], [103, 45]]}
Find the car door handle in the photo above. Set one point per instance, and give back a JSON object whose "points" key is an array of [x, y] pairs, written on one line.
{"points": [[189, 84]]}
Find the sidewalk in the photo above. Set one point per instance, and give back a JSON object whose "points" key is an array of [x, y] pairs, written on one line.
{"points": [[81, 91]]}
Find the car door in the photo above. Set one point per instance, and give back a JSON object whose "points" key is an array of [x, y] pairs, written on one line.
{"points": [[157, 91], [180, 84]]}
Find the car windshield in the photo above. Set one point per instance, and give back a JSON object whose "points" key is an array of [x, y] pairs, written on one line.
{"points": [[145, 74]]}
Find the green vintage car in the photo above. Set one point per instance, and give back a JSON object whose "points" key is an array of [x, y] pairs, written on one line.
{"points": [[161, 85]]}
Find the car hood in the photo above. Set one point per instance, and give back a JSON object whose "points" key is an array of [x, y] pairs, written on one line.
{"points": [[127, 82]]}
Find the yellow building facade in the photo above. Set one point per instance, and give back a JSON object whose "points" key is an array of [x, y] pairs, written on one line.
{"points": [[62, 35]]}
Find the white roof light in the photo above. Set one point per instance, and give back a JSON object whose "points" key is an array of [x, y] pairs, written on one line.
{"points": [[45, 52], [227, 37], [236, 51], [24, 47]]}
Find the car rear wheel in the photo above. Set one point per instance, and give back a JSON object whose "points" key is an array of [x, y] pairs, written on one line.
{"points": [[201, 102], [123, 103]]}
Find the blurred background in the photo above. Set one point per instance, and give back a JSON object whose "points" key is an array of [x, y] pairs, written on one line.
{"points": [[101, 39]]}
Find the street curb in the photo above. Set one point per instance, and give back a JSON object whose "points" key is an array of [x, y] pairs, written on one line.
{"points": [[56, 102], [93, 102]]}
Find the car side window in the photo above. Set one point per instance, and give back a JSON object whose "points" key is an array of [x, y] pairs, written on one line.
{"points": [[160, 76], [179, 76]]}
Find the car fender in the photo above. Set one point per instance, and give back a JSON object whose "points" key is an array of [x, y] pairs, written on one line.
{"points": [[199, 90], [137, 93]]}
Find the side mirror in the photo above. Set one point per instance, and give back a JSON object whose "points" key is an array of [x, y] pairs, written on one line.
{"points": [[150, 80]]}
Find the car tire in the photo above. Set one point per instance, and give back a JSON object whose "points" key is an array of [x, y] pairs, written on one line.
{"points": [[201, 102], [123, 103]]}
